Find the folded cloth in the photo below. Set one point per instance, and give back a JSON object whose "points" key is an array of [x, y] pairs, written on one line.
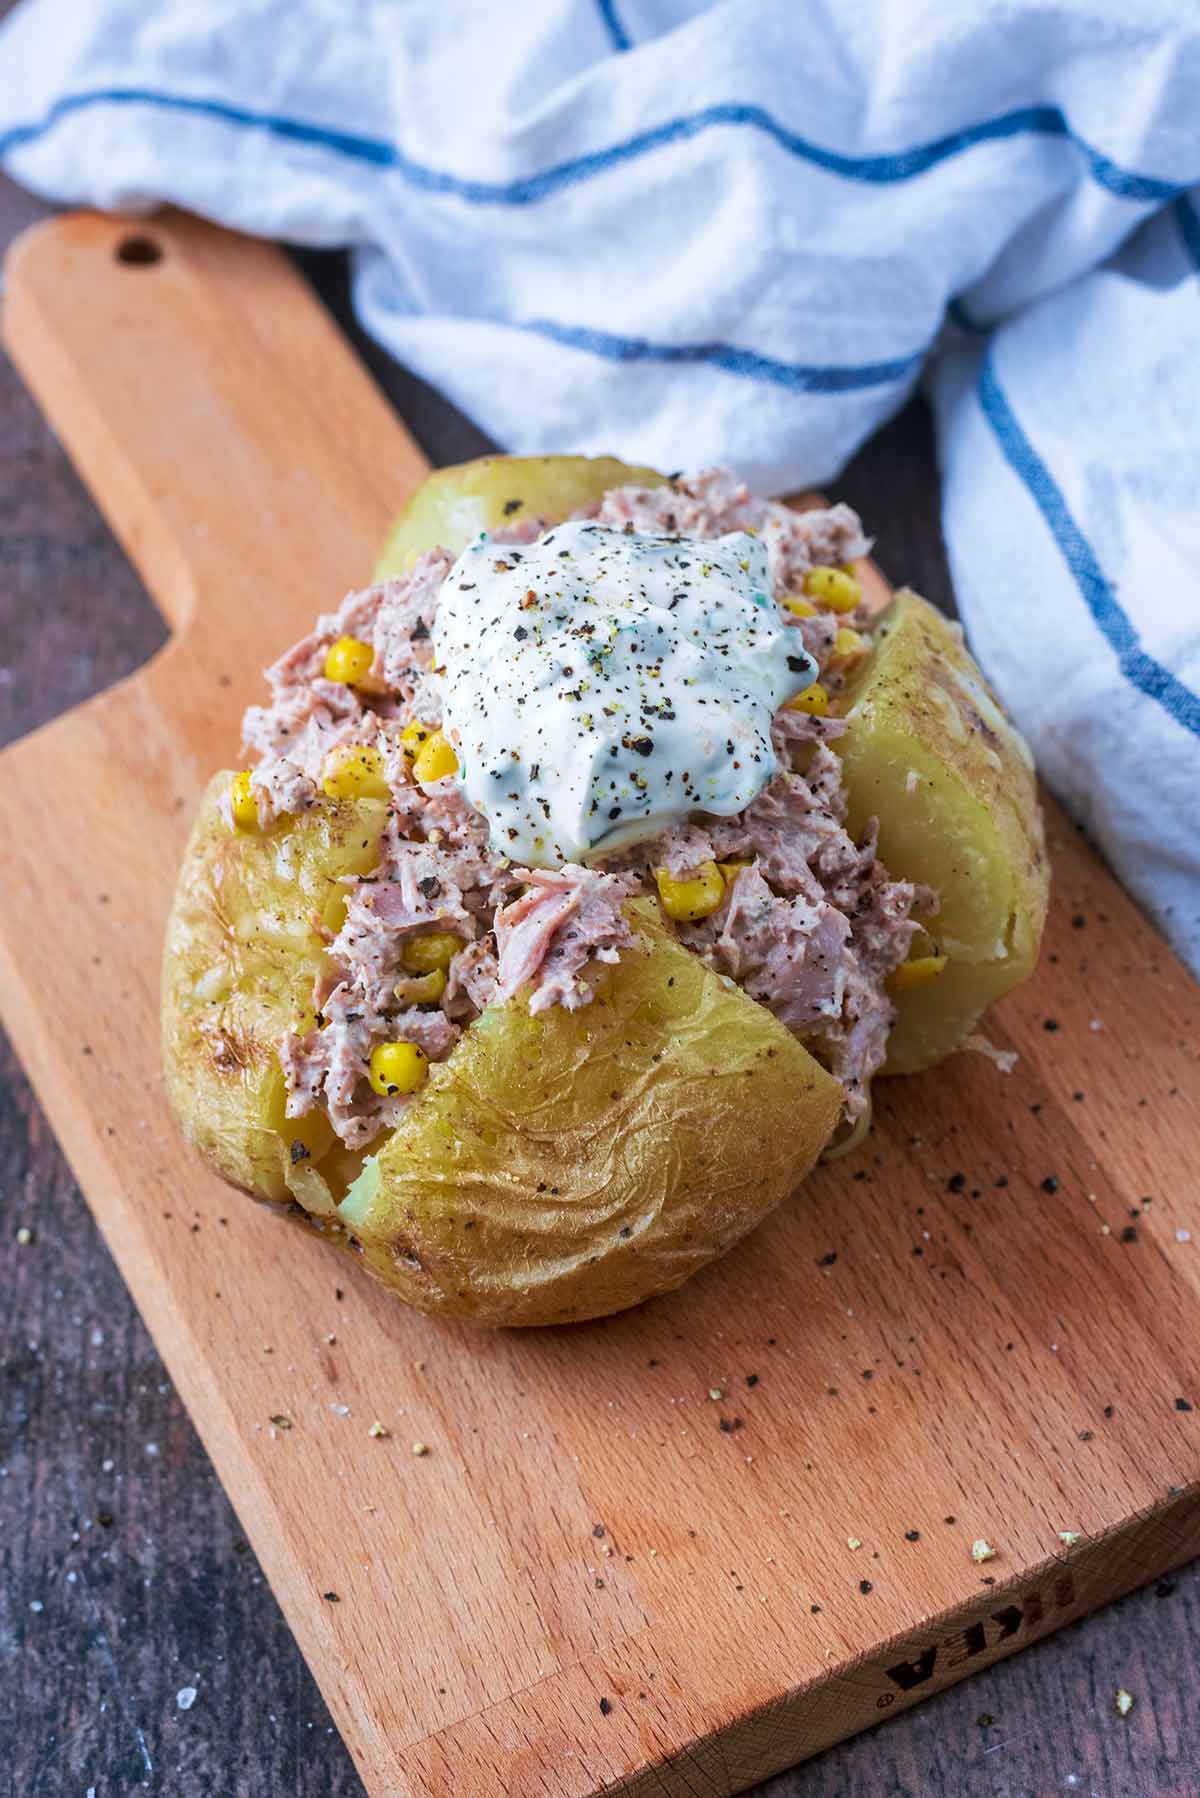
{"points": [[740, 233]]}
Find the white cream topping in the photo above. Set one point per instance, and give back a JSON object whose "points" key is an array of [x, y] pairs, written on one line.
{"points": [[601, 685]]}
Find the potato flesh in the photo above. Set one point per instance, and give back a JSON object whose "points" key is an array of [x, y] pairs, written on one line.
{"points": [[452, 506], [239, 964], [930, 754], [569, 1164]]}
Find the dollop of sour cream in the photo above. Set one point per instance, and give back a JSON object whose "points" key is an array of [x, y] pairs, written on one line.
{"points": [[601, 685]]}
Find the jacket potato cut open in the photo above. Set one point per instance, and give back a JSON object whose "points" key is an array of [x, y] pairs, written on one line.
{"points": [[494, 493], [931, 755], [567, 1164], [571, 1163]]}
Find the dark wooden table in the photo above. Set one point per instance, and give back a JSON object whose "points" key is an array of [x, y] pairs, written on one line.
{"points": [[140, 1649]]}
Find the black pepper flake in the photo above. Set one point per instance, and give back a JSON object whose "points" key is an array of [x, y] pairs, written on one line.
{"points": [[729, 1424], [1108, 1410], [956, 1182], [430, 885], [1050, 1024], [605, 1707], [1181, 1404], [752, 1379], [299, 1152], [520, 633], [1164, 1588], [1085, 1435], [1129, 1233], [1050, 1183], [912, 1535], [511, 506], [865, 1586], [420, 631], [828, 1259], [331, 1598], [814, 1610], [798, 664], [598, 1529], [985, 1720]]}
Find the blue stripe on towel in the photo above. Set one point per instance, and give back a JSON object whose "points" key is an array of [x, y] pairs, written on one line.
{"points": [[1115, 624]]}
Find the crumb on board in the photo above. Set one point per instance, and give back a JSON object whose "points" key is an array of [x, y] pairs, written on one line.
{"points": [[982, 1550], [378, 1430], [1069, 1537], [1124, 1701], [853, 1542], [420, 1448]]}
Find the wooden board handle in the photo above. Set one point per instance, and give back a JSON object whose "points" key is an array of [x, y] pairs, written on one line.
{"points": [[180, 364]]}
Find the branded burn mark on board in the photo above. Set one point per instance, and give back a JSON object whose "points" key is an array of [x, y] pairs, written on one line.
{"points": [[962, 1645]]}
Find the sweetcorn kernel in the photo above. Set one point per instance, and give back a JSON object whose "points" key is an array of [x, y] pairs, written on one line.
{"points": [[355, 772], [435, 758], [813, 699], [431, 954], [800, 608], [399, 1067], [348, 660], [687, 901], [421, 989], [848, 644], [242, 802], [834, 588], [918, 972]]}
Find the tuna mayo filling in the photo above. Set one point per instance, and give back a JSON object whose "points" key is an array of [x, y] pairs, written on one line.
{"points": [[654, 759]]}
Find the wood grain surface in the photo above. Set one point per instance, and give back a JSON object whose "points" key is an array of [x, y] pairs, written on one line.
{"points": [[161, 1602]]}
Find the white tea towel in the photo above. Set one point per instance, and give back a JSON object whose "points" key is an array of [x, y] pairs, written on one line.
{"points": [[739, 232]]}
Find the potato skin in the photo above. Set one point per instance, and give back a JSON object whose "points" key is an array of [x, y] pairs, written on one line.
{"points": [[453, 505], [570, 1164], [931, 755], [238, 966]]}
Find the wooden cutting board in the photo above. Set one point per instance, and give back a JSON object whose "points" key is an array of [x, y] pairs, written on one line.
{"points": [[673, 1552]]}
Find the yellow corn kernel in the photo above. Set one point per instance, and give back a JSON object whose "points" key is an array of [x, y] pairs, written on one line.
{"points": [[800, 608], [348, 660], [397, 1068], [848, 644], [813, 699], [242, 802], [918, 972], [834, 588], [435, 758], [431, 954], [731, 870], [355, 772], [414, 734], [687, 901], [422, 989]]}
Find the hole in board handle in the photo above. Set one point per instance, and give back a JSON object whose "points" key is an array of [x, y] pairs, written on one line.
{"points": [[139, 251]]}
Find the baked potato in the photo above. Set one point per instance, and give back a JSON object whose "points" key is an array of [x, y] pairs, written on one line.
{"points": [[558, 1163]]}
